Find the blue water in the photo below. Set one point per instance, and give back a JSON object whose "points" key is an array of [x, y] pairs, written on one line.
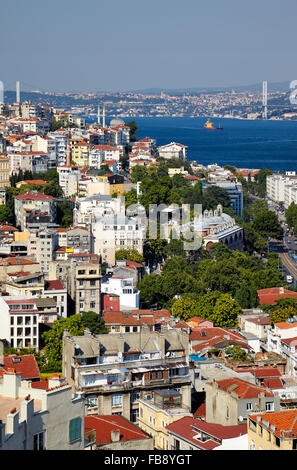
{"points": [[241, 143]]}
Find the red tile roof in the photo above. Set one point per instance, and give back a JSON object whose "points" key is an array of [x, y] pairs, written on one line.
{"points": [[34, 197], [136, 317], [285, 420], [241, 388], [54, 285], [26, 366], [188, 429], [105, 424], [16, 261], [273, 383], [270, 295]]}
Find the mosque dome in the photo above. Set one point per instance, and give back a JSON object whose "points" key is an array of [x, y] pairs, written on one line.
{"points": [[116, 122]]}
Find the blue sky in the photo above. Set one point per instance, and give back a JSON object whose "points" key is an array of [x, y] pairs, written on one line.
{"points": [[117, 45]]}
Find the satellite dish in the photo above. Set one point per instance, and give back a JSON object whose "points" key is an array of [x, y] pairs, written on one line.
{"points": [[240, 418]]}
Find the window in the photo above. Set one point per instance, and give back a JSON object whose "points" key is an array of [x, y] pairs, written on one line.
{"points": [[116, 399], [269, 406], [38, 441], [75, 429], [249, 406]]}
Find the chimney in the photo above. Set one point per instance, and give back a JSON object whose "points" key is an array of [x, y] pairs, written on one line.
{"points": [[115, 436], [12, 421], [281, 290]]}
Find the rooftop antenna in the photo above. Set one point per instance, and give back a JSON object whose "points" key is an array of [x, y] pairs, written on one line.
{"points": [[18, 92]]}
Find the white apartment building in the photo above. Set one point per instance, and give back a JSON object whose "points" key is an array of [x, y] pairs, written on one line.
{"points": [[101, 153], [290, 194], [28, 160], [123, 287], [278, 187], [47, 242], [69, 178], [173, 150], [19, 321], [40, 416], [280, 332], [116, 233], [101, 204]]}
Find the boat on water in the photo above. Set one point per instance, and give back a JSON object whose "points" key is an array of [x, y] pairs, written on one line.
{"points": [[209, 125]]}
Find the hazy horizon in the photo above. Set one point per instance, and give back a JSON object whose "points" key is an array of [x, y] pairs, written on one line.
{"points": [[120, 46]]}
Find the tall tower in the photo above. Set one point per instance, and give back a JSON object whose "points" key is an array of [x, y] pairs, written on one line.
{"points": [[68, 157], [18, 92], [98, 116], [264, 99], [103, 116]]}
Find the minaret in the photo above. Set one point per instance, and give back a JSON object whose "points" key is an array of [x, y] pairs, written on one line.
{"points": [[103, 116], [68, 158], [98, 116]]}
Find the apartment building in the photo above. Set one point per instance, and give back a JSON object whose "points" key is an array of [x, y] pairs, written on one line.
{"points": [[277, 184], [61, 142], [4, 170], [188, 434], [125, 288], [40, 415], [32, 201], [230, 401], [101, 153], [156, 412], [81, 276], [19, 321], [273, 430], [114, 371], [55, 290], [80, 153], [101, 204], [15, 265], [87, 287], [69, 178], [173, 150], [115, 433], [235, 193], [117, 321], [36, 162], [116, 233], [46, 244]]}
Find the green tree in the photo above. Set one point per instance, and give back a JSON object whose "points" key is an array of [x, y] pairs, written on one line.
{"points": [[64, 213], [185, 308], [131, 255], [93, 322], [267, 225], [246, 295], [133, 130], [225, 312], [53, 340], [6, 215], [237, 353]]}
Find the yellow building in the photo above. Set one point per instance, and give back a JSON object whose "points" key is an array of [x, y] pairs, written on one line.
{"points": [[4, 171], [273, 430], [80, 153], [25, 284], [165, 407], [116, 183]]}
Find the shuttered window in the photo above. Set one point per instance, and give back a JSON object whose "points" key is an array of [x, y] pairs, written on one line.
{"points": [[75, 429]]}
